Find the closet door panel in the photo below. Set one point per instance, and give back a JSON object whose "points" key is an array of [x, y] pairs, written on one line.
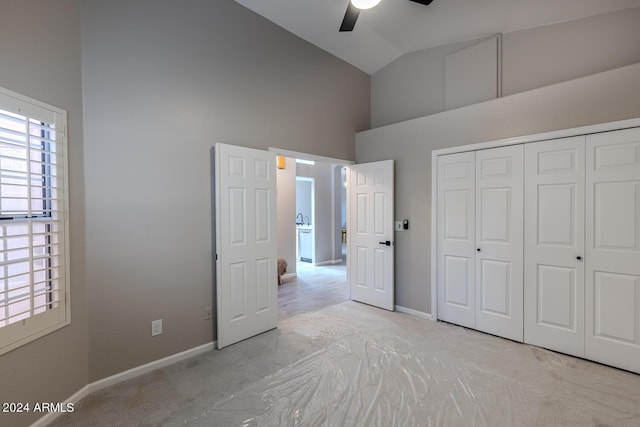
{"points": [[554, 240], [613, 249], [456, 239], [499, 240]]}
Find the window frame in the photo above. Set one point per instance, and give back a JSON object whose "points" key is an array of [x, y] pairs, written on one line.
{"points": [[27, 330]]}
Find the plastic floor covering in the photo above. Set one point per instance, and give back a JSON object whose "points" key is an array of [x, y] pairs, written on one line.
{"points": [[354, 365]]}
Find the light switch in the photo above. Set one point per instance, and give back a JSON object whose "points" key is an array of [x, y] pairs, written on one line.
{"points": [[398, 226]]}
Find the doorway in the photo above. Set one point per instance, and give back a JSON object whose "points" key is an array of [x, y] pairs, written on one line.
{"points": [[311, 210], [305, 220], [248, 227]]}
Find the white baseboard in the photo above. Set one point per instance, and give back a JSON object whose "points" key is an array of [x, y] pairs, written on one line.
{"points": [[124, 376], [412, 312], [51, 416], [148, 367], [289, 276], [329, 262]]}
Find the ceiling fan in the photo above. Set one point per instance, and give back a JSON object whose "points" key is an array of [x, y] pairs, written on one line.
{"points": [[355, 6]]}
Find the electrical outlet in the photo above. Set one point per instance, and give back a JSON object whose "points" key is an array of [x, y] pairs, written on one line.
{"points": [[207, 313], [398, 226], [156, 327]]}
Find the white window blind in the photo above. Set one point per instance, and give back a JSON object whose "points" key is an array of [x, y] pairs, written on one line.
{"points": [[33, 250]]}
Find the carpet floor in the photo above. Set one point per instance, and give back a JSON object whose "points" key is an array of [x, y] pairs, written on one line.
{"points": [[354, 365]]}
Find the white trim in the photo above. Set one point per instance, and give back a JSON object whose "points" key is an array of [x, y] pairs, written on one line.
{"points": [[307, 156], [124, 376], [35, 327], [564, 133], [434, 235], [51, 416], [499, 66], [416, 313], [148, 367], [328, 262], [556, 134], [289, 276], [349, 262]]}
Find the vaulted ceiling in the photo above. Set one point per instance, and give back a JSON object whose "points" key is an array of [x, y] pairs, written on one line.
{"points": [[396, 27]]}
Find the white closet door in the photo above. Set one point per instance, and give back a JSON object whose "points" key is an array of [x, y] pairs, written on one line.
{"points": [[554, 245], [499, 205], [613, 249], [456, 238]]}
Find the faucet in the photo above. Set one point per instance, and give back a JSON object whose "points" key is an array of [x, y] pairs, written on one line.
{"points": [[299, 219], [307, 220]]}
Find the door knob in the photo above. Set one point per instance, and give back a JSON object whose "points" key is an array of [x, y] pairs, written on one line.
{"points": [[386, 243], [579, 258], [478, 249]]}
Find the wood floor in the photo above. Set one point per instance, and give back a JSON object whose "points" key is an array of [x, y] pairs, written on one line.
{"points": [[314, 288]]}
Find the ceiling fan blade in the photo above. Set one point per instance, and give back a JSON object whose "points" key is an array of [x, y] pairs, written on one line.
{"points": [[424, 2], [350, 18]]}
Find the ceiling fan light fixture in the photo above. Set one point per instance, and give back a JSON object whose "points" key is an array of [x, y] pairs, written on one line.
{"points": [[364, 4]]}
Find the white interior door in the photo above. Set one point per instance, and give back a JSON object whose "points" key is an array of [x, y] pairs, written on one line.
{"points": [[612, 259], [554, 244], [370, 264], [246, 280], [499, 240], [456, 239]]}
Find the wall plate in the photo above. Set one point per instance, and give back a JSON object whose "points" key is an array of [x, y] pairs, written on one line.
{"points": [[156, 327]]}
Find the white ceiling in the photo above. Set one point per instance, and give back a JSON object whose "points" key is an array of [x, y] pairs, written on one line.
{"points": [[396, 27]]}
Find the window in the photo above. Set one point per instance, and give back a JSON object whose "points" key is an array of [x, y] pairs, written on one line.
{"points": [[34, 284]]}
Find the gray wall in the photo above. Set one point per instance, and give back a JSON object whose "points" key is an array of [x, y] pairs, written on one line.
{"points": [[413, 85], [286, 212], [323, 205], [343, 199], [471, 74], [604, 97], [40, 51], [304, 190], [163, 81], [542, 56]]}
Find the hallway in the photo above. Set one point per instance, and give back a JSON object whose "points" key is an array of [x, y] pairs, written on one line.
{"points": [[314, 288]]}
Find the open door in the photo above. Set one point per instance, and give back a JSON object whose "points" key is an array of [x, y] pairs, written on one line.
{"points": [[246, 280], [370, 235]]}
